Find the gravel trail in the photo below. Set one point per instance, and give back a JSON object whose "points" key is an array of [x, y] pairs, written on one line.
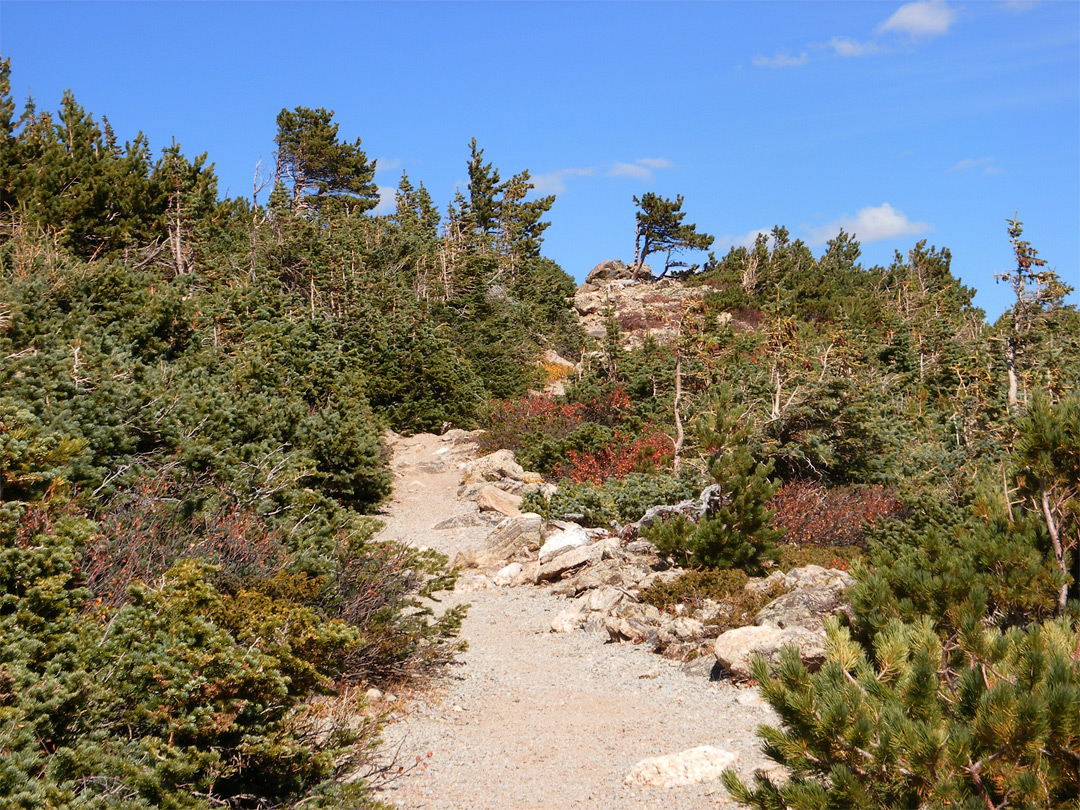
{"points": [[532, 719]]}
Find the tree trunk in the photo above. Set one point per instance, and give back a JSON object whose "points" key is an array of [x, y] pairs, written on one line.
{"points": [[1059, 551], [679, 435], [1010, 364]]}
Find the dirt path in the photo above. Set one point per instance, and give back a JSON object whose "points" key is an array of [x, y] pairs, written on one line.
{"points": [[533, 719]]}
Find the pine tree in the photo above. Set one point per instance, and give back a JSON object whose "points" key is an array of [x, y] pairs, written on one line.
{"points": [[660, 228], [322, 172]]}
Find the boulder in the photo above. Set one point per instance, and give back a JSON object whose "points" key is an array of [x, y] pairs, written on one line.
{"points": [[702, 764], [609, 271], [735, 648], [805, 607], [514, 538], [493, 499], [569, 536], [499, 468], [568, 560], [633, 630], [469, 520]]}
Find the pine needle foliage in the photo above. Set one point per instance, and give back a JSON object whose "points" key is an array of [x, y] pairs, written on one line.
{"points": [[991, 722]]}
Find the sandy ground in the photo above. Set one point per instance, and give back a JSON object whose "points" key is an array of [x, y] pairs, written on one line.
{"points": [[532, 719]]}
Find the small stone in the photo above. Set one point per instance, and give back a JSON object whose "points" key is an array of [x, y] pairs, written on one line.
{"points": [[373, 695]]}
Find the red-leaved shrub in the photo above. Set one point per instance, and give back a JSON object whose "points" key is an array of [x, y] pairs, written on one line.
{"points": [[831, 516]]}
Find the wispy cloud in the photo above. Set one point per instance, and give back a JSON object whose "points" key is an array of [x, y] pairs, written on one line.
{"points": [[870, 224], [986, 164], [555, 182], [782, 59], [847, 47], [640, 169], [635, 170], [747, 240], [387, 200], [926, 18]]}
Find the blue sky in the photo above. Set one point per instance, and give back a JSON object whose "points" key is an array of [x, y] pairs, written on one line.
{"points": [[900, 122]]}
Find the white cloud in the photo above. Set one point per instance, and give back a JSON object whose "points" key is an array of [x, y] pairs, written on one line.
{"points": [[555, 182], [635, 170], [870, 224], [656, 163], [847, 47], [387, 200], [986, 163], [388, 164], [782, 59], [926, 18], [747, 240], [641, 169]]}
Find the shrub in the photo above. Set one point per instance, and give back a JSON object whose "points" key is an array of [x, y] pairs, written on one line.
{"points": [[812, 513], [735, 605], [952, 568], [589, 439], [991, 722], [737, 532], [842, 557], [617, 499]]}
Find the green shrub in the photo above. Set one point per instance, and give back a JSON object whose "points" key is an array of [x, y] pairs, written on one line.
{"points": [[952, 567], [738, 531], [992, 721], [623, 500], [842, 557]]}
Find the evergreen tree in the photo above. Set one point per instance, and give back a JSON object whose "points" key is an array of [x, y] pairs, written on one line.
{"points": [[322, 172], [660, 227]]}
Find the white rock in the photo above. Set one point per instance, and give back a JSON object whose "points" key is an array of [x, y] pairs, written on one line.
{"points": [[702, 764], [508, 574], [568, 621], [570, 537]]}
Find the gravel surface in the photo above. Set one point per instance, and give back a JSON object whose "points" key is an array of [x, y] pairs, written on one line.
{"points": [[532, 719]]}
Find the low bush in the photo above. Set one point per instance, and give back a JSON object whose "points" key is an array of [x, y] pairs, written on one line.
{"points": [[623, 500], [841, 557], [813, 514], [735, 605]]}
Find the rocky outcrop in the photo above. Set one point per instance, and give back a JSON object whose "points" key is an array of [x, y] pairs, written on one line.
{"points": [[641, 305], [795, 617]]}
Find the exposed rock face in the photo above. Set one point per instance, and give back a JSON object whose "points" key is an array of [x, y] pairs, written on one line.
{"points": [[702, 764], [641, 306], [514, 539]]}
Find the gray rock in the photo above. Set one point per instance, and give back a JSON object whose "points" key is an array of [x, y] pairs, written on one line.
{"points": [[568, 560], [805, 607], [469, 520], [515, 538], [735, 648]]}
